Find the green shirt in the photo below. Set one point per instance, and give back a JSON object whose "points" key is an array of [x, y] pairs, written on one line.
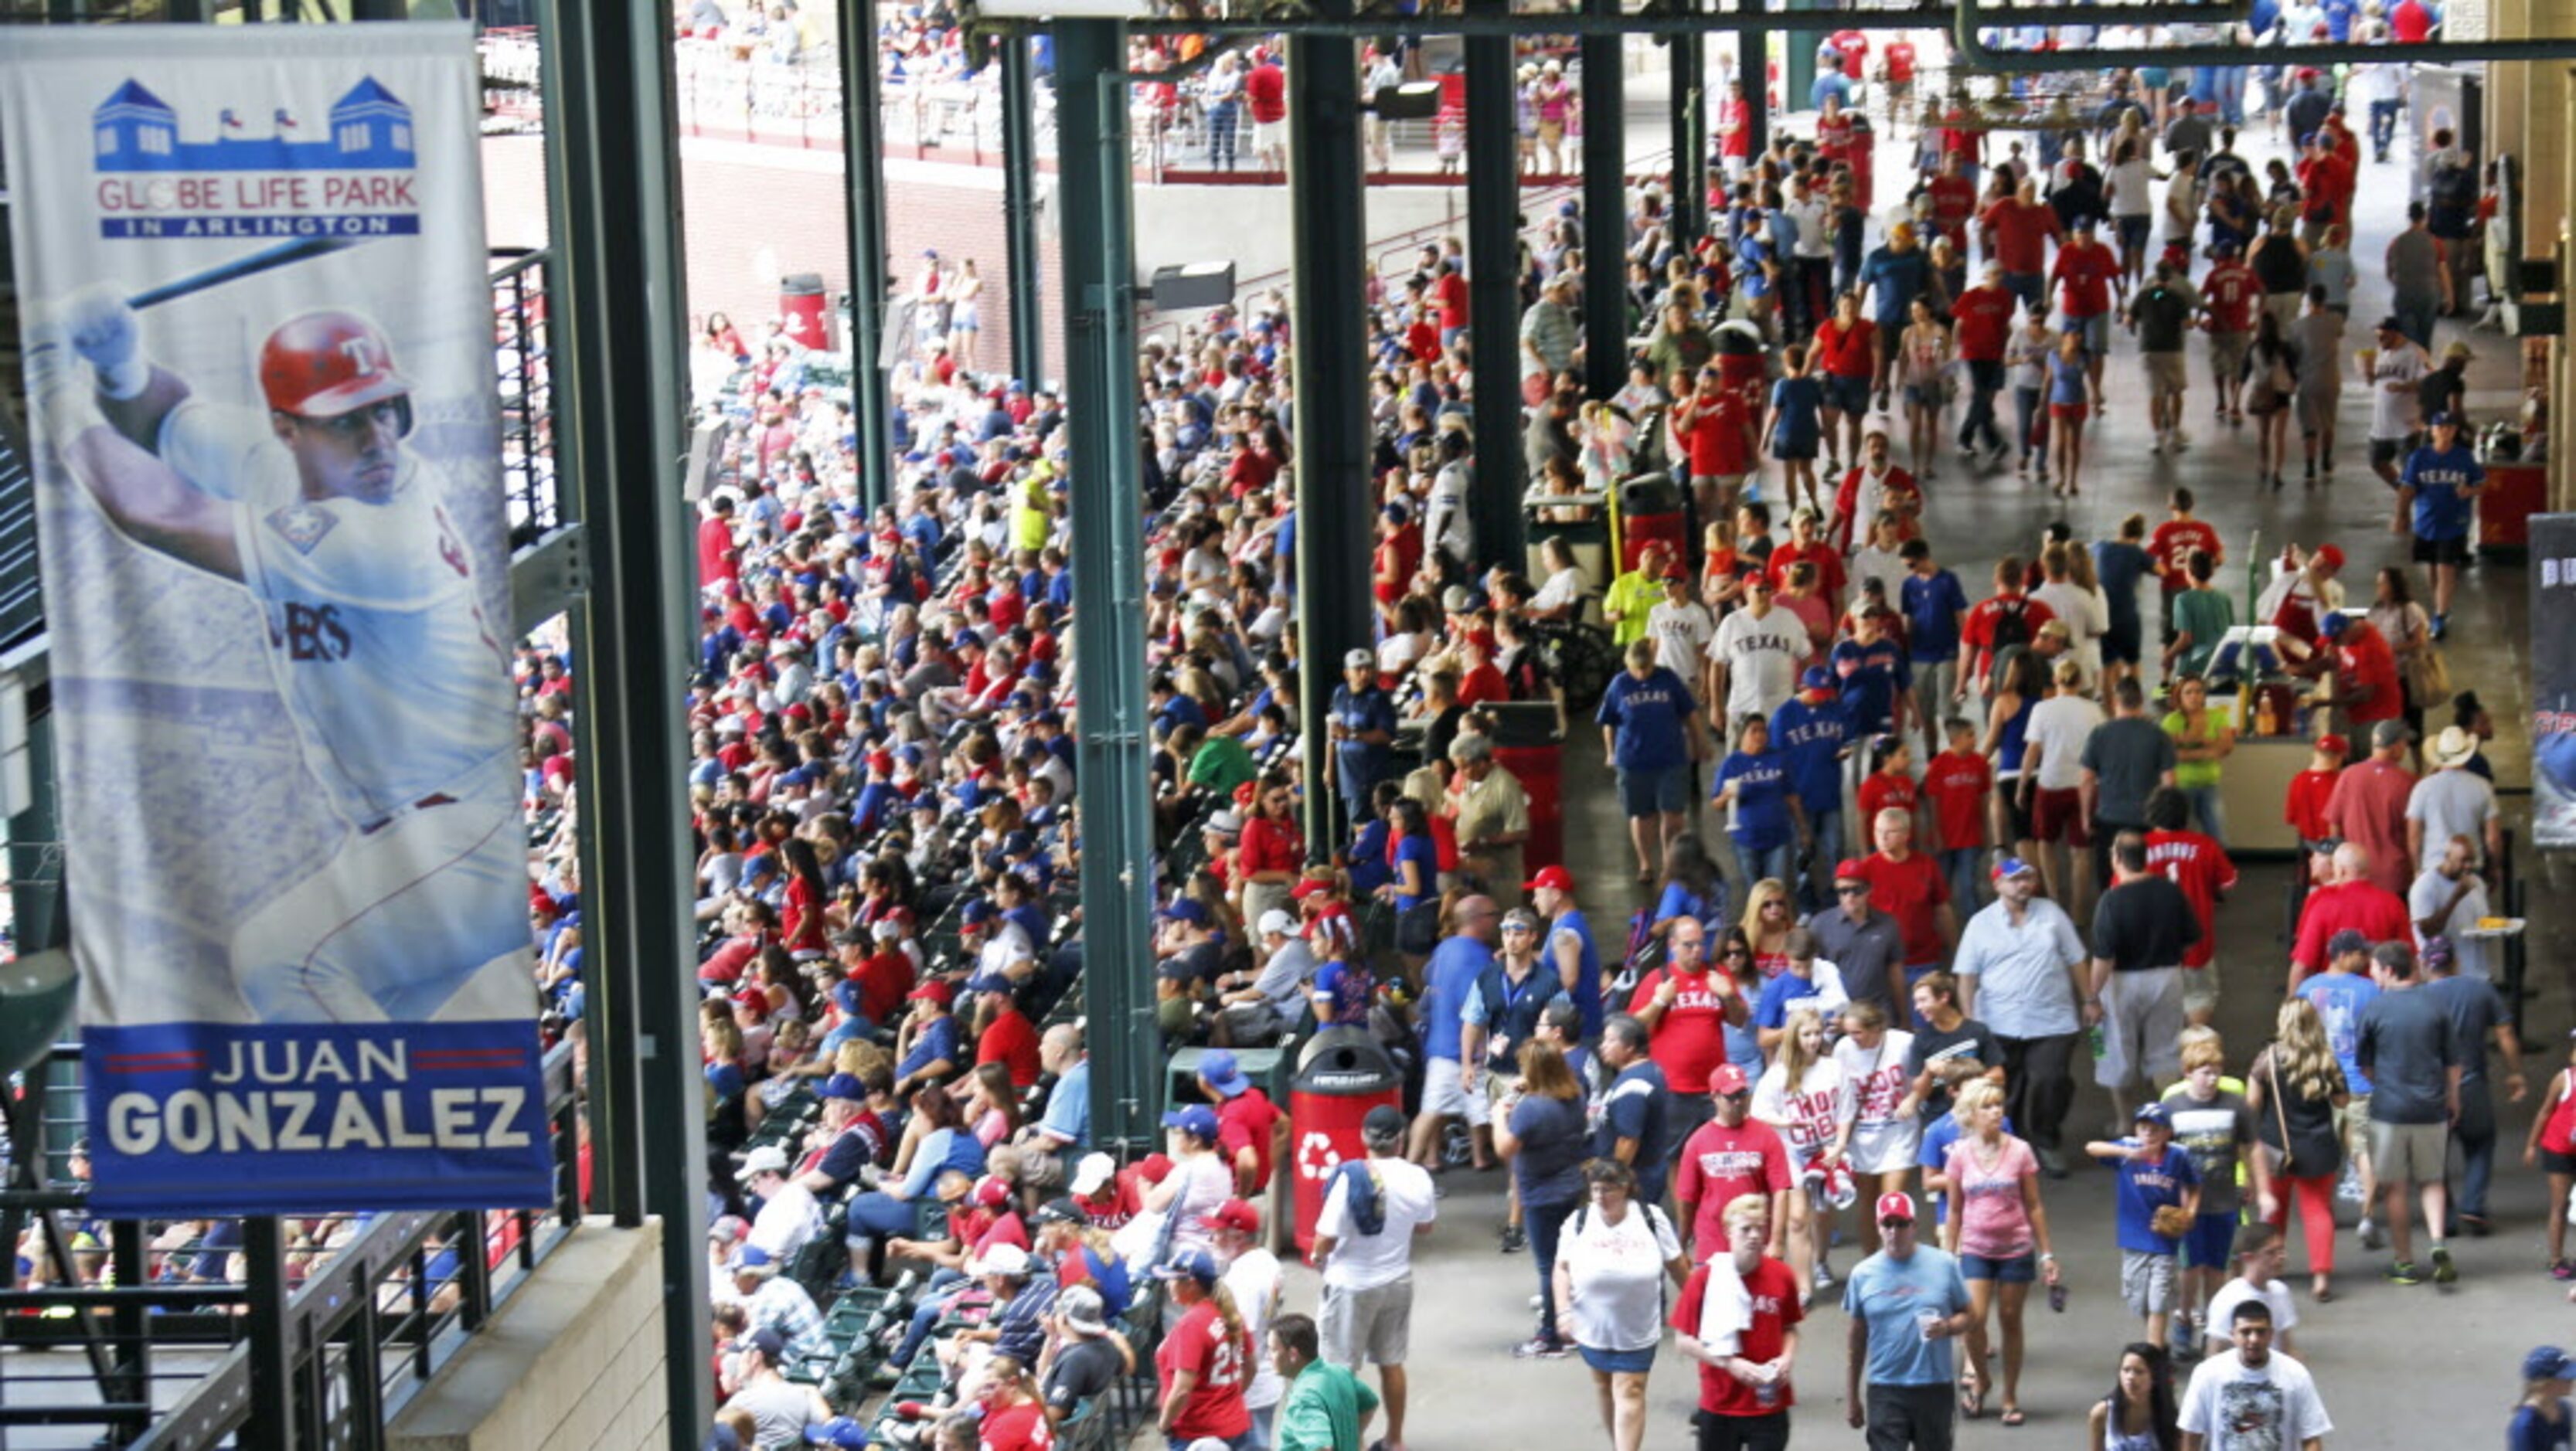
{"points": [[1322, 1410], [2193, 775], [1222, 764], [2206, 616], [1632, 597]]}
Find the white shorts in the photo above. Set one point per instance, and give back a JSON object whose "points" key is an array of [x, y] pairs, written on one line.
{"points": [[1444, 1093]]}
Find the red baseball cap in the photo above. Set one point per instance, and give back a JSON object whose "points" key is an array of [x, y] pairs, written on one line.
{"points": [[932, 991], [1848, 870], [1898, 1205], [2334, 745], [1554, 878], [2330, 556], [1234, 1214], [1309, 887], [1728, 1079]]}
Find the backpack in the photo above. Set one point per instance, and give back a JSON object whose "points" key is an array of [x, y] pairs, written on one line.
{"points": [[2451, 199], [2011, 626], [1361, 1201]]}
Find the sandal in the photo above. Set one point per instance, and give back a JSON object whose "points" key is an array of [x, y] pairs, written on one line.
{"points": [[1972, 1401], [2012, 1416]]}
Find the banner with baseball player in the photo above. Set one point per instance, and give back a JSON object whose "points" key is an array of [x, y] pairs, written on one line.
{"points": [[260, 373]]}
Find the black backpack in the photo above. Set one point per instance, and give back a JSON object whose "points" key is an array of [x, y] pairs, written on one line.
{"points": [[2012, 625]]}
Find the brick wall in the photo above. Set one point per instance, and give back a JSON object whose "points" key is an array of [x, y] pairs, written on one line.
{"points": [[752, 214]]}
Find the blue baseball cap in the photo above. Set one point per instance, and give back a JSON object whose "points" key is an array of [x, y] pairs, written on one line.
{"points": [[1196, 1264], [2548, 1362], [1223, 1073], [1816, 678], [839, 1431], [2334, 623], [1197, 1120], [2013, 866], [846, 1086], [2152, 1113], [990, 982], [751, 1257], [978, 910], [1187, 909]]}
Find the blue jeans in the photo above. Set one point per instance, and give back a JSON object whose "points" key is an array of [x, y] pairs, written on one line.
{"points": [[1761, 862], [1220, 123], [1959, 868], [2207, 810], [936, 1297], [1816, 885], [2383, 127], [1544, 1222], [2030, 424], [2415, 317]]}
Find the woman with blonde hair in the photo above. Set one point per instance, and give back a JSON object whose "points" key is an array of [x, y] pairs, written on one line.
{"points": [[1999, 1230], [1885, 1127], [2295, 1090], [1804, 1095], [1769, 915]]}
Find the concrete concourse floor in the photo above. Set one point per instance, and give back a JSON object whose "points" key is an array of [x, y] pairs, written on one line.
{"points": [[2397, 1367]]}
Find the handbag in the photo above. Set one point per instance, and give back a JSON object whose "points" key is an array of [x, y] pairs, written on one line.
{"points": [[2281, 1112]]}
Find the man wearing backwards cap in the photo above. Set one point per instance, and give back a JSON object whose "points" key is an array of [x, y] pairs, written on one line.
{"points": [[1367, 1308], [1907, 1303]]}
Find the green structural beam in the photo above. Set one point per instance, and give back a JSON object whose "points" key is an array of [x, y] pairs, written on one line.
{"points": [[1110, 733], [1605, 210], [1020, 210], [1493, 287], [863, 177]]}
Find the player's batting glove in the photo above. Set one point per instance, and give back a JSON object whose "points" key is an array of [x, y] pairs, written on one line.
{"points": [[57, 395], [103, 330]]}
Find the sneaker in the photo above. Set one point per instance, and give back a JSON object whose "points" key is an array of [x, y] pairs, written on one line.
{"points": [[1824, 1275], [2179, 441], [2158, 446], [2441, 626], [2444, 1272], [1541, 1347], [2402, 1272], [2370, 1236], [2348, 1188], [2562, 1270], [1515, 1239]]}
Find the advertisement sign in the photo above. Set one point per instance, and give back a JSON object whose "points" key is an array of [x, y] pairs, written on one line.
{"points": [[260, 377], [2553, 682]]}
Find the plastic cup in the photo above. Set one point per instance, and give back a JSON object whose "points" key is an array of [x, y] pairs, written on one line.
{"points": [[1927, 1319]]}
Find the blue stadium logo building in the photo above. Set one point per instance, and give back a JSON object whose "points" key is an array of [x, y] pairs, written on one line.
{"points": [[137, 131]]}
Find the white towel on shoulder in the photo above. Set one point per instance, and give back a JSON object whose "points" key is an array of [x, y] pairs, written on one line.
{"points": [[1726, 1307]]}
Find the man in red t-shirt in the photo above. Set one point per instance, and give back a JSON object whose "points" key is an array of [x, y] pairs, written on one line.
{"points": [[2022, 226], [2349, 901], [1853, 47], [2198, 865], [1730, 1155], [2228, 298], [1008, 1037], [2325, 186], [2084, 271], [1687, 1009], [1249, 1127], [2367, 808], [2410, 22], [1265, 95], [2171, 546], [2009, 617], [2366, 689], [1449, 290], [1983, 316], [1906, 884], [1753, 1379], [1954, 201]]}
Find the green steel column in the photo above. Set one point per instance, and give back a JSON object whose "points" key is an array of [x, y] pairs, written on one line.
{"points": [[1691, 111], [613, 203], [1493, 287], [36, 842], [1326, 201], [863, 171], [1020, 209], [1605, 209], [1798, 66], [1110, 747]]}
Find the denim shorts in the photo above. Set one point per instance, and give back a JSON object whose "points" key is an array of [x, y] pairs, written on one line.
{"points": [[1643, 793], [1618, 1362], [1846, 395], [2020, 1269]]}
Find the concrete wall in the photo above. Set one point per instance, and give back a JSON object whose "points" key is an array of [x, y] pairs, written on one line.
{"points": [[573, 1362]]}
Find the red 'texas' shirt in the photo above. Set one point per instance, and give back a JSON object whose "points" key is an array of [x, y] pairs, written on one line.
{"points": [[1880, 790], [2305, 806], [1954, 201], [1775, 1309], [1690, 1041], [2200, 867], [1214, 1406], [2362, 657], [1720, 1163]]}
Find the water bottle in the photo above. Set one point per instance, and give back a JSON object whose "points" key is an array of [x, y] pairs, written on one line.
{"points": [[2093, 1039]]}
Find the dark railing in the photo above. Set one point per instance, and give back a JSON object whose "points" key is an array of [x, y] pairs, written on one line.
{"points": [[523, 360], [345, 1316]]}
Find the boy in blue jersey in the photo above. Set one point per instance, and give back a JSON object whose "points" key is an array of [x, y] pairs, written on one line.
{"points": [[1814, 730], [2154, 1173]]}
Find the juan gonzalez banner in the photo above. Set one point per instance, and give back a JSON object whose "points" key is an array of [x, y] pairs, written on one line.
{"points": [[259, 354], [2553, 682]]}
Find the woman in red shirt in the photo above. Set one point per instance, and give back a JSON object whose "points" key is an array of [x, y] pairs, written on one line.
{"points": [[1847, 358], [1272, 850], [1015, 1416], [1205, 1361], [803, 924]]}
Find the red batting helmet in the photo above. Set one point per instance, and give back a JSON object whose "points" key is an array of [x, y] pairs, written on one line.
{"points": [[324, 364]]}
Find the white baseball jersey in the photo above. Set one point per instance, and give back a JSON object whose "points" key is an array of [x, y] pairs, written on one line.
{"points": [[376, 634]]}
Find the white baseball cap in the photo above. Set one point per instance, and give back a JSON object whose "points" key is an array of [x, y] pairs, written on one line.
{"points": [[1277, 921], [1094, 1171]]}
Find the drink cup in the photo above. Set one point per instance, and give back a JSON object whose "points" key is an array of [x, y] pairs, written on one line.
{"points": [[1927, 1319]]}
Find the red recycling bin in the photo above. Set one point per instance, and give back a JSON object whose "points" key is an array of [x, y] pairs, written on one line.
{"points": [[1341, 1074], [800, 306], [1540, 770], [2514, 492]]}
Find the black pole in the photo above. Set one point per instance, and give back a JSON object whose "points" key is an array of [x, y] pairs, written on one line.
{"points": [[863, 173], [1020, 209], [1493, 289], [1605, 210], [1326, 199], [1688, 205], [1753, 67], [614, 205], [273, 1421]]}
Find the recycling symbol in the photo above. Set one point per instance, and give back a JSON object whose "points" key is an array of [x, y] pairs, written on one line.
{"points": [[1316, 1156]]}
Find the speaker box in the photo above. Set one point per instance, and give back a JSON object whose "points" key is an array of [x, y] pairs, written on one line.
{"points": [[1194, 285]]}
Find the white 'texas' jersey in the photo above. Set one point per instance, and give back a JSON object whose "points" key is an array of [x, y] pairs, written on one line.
{"points": [[396, 682]]}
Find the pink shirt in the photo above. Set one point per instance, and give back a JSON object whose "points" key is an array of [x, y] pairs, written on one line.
{"points": [[1992, 1220]]}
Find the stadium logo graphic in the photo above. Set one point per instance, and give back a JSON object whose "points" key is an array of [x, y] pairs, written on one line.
{"points": [[349, 177]]}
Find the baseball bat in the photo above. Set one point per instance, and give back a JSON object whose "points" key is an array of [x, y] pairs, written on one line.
{"points": [[260, 261]]}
